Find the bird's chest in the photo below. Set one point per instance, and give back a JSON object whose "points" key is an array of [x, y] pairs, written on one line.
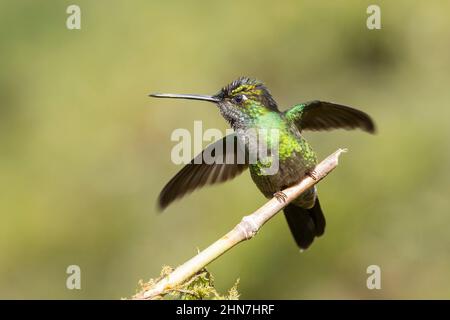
{"points": [[285, 162]]}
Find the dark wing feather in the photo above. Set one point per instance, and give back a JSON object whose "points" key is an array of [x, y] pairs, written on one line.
{"points": [[321, 115], [198, 172]]}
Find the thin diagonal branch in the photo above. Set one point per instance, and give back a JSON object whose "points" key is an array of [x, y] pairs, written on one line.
{"points": [[244, 230]]}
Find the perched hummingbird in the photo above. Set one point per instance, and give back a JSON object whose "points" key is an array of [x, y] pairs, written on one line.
{"points": [[247, 104]]}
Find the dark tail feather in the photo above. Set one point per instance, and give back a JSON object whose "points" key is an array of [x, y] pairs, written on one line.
{"points": [[305, 224]]}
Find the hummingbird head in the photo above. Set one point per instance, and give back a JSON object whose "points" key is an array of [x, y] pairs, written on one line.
{"points": [[244, 99], [239, 102]]}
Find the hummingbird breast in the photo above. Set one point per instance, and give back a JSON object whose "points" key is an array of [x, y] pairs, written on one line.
{"points": [[295, 159]]}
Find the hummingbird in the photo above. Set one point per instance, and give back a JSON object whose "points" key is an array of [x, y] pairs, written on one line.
{"points": [[245, 104]]}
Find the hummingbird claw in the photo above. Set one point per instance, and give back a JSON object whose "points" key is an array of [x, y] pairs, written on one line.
{"points": [[281, 196], [313, 175]]}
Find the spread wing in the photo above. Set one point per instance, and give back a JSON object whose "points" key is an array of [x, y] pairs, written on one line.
{"points": [[321, 115], [220, 161]]}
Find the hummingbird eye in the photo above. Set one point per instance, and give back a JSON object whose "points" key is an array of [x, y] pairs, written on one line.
{"points": [[240, 98]]}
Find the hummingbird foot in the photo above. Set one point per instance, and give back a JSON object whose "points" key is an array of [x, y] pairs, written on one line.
{"points": [[313, 175], [281, 196]]}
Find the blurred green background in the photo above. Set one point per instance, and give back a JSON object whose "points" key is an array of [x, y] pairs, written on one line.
{"points": [[84, 151]]}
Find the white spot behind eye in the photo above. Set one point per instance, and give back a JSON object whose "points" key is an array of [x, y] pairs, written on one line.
{"points": [[244, 97]]}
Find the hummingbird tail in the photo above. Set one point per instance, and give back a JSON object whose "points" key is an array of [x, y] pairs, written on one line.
{"points": [[305, 224]]}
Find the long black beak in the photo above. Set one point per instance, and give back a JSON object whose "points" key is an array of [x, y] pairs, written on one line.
{"points": [[185, 96]]}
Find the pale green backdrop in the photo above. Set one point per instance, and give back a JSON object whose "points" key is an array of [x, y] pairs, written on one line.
{"points": [[84, 152]]}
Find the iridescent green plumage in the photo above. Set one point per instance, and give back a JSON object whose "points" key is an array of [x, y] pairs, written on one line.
{"points": [[247, 105]]}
